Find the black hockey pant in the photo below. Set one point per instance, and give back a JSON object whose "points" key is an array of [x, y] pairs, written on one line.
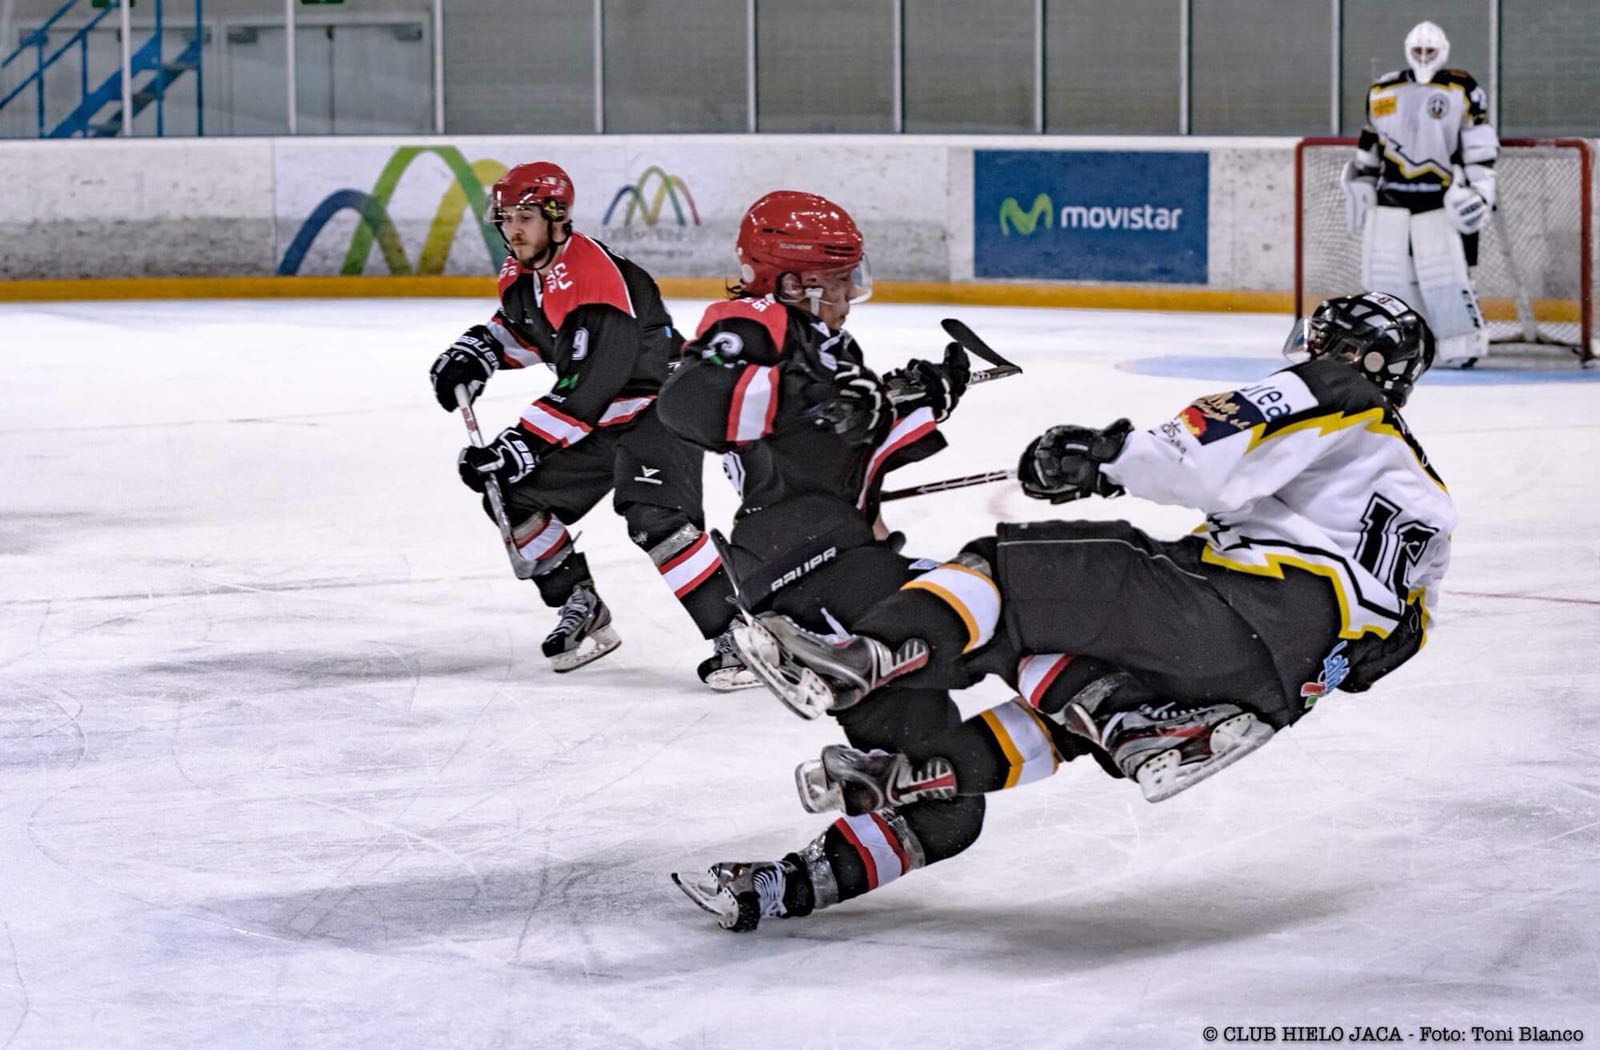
{"points": [[655, 481]]}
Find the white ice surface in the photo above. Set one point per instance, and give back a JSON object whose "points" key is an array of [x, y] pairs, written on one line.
{"points": [[281, 766]]}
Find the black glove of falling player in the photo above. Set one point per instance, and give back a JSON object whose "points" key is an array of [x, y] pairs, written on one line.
{"points": [[507, 459], [1064, 463], [860, 405], [935, 386], [469, 362]]}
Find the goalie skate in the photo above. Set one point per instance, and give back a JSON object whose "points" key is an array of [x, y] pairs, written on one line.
{"points": [[860, 782], [583, 633], [815, 675], [739, 893], [1169, 749]]}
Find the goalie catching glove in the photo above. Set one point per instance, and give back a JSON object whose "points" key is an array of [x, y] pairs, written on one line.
{"points": [[1064, 462], [935, 386], [507, 459], [469, 363]]}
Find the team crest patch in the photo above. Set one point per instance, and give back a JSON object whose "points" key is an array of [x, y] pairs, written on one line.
{"points": [[1335, 668], [1437, 107], [1218, 416]]}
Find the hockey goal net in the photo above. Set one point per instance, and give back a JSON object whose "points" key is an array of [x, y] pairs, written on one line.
{"points": [[1536, 274]]}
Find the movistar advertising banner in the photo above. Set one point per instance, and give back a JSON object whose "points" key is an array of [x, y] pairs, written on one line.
{"points": [[1090, 215]]}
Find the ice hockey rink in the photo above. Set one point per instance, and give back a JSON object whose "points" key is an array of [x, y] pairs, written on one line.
{"points": [[282, 765]]}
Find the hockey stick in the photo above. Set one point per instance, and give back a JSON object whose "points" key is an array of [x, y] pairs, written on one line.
{"points": [[969, 341], [947, 484], [521, 565]]}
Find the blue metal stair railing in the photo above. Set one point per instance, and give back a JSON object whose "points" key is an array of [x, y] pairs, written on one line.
{"points": [[148, 58]]}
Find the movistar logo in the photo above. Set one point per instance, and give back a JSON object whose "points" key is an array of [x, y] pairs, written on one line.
{"points": [[1012, 217], [647, 205], [1085, 216], [465, 195]]}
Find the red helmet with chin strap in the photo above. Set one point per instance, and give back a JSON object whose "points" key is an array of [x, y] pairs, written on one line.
{"points": [[541, 185], [788, 231]]}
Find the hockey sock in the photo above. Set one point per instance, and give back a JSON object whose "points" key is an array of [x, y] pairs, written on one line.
{"points": [[556, 585], [688, 563]]}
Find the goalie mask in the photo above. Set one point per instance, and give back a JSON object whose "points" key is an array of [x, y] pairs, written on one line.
{"points": [[788, 231], [1427, 50], [1379, 335], [542, 186]]}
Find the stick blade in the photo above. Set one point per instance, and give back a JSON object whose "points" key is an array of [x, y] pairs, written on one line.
{"points": [[970, 342]]}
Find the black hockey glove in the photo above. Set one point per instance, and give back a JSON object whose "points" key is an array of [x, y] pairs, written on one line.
{"points": [[469, 362], [859, 407], [507, 459], [1064, 463], [1371, 658], [925, 384]]}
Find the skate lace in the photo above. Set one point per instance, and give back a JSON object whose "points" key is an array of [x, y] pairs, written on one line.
{"points": [[769, 883], [574, 612]]}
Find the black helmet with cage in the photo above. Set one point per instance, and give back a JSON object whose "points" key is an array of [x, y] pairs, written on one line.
{"points": [[1377, 334]]}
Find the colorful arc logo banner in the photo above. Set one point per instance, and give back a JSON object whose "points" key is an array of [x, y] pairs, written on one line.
{"points": [[647, 199]]}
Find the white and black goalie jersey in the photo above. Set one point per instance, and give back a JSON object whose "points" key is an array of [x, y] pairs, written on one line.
{"points": [[1310, 468], [1416, 134]]}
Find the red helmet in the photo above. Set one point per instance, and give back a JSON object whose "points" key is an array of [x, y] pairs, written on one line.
{"points": [[788, 231], [540, 184]]}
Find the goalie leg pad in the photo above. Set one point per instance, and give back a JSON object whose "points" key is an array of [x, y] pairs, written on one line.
{"points": [[1448, 299], [1386, 254]]}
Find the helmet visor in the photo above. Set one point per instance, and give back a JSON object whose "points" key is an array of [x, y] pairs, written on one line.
{"points": [[860, 281], [1297, 347]]}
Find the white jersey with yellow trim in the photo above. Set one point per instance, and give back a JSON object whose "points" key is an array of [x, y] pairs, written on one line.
{"points": [[1417, 134], [1311, 468]]}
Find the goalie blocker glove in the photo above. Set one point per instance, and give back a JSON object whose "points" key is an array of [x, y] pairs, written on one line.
{"points": [[508, 459], [936, 386], [1064, 462], [1467, 208], [469, 362]]}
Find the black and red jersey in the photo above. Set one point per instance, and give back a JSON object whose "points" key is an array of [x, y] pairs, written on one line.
{"points": [[596, 319], [751, 387]]}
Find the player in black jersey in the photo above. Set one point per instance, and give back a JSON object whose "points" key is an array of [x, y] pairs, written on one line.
{"points": [[1327, 535], [809, 431], [597, 320]]}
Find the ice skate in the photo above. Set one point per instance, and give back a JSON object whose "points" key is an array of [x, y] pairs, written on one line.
{"points": [[860, 782], [1169, 749], [739, 893], [723, 670], [583, 634], [814, 674]]}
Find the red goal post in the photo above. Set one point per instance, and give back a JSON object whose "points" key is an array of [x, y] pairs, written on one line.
{"points": [[1536, 268]]}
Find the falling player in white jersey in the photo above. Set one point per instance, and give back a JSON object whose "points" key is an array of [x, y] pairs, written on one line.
{"points": [[1327, 534], [1420, 188]]}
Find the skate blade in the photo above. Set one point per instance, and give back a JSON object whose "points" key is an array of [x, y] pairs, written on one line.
{"points": [[709, 896], [799, 688], [1165, 775], [597, 644], [817, 795], [732, 679]]}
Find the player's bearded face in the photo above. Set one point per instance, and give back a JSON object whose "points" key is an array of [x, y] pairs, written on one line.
{"points": [[527, 231]]}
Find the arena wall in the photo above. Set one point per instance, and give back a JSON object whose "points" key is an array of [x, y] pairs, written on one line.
{"points": [[373, 216]]}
